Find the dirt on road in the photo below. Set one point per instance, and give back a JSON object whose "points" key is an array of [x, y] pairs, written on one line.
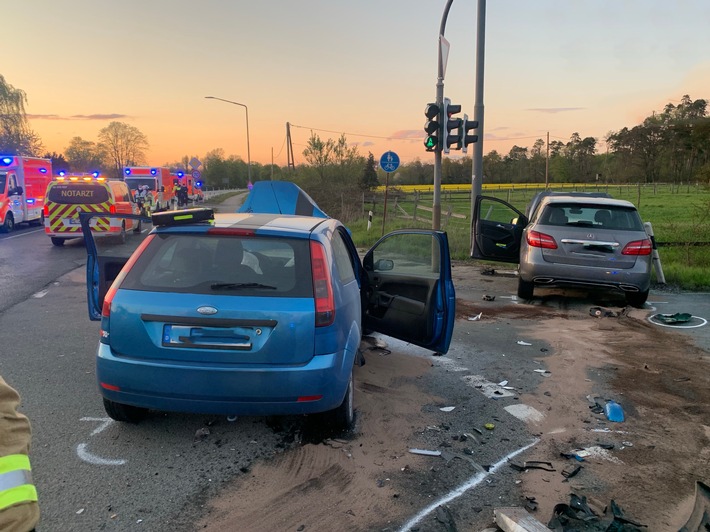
{"points": [[649, 463]]}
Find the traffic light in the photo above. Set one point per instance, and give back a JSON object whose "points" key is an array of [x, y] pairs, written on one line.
{"points": [[453, 127], [432, 127], [466, 138]]}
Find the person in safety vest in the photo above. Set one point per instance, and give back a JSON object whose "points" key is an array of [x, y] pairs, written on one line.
{"points": [[19, 510], [146, 200], [177, 190], [181, 193]]}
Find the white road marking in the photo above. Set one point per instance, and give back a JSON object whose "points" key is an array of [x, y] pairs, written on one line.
{"points": [[86, 456], [473, 482], [105, 422]]}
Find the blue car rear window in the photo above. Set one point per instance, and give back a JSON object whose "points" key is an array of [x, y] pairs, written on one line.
{"points": [[198, 263]]}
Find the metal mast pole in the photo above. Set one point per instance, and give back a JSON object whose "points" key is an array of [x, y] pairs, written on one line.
{"points": [[436, 213], [477, 175]]}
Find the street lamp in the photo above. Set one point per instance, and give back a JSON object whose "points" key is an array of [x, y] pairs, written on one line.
{"points": [[246, 110]]}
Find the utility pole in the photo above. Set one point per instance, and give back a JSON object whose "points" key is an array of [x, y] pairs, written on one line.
{"points": [[289, 148], [547, 162]]}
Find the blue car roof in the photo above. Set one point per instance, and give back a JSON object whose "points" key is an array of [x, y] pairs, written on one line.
{"points": [[280, 197], [259, 223]]}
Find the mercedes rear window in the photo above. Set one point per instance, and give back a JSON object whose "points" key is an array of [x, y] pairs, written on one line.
{"points": [[199, 263], [79, 193], [591, 215]]}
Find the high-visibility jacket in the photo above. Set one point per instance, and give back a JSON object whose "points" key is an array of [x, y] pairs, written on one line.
{"points": [[19, 511]]}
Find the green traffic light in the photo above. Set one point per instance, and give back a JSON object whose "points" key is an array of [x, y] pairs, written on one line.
{"points": [[431, 142]]}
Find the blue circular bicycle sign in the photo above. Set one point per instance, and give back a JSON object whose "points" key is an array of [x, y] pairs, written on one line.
{"points": [[389, 161]]}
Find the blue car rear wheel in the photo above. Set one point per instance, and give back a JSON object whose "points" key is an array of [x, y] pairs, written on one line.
{"points": [[342, 417], [124, 413]]}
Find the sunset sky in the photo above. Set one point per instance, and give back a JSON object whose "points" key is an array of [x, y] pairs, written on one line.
{"points": [[363, 68]]}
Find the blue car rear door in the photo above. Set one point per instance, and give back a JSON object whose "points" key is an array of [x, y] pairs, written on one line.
{"points": [[109, 245], [408, 292]]}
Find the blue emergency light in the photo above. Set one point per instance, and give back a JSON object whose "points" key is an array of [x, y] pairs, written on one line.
{"points": [[127, 171], [153, 171], [6, 161]]}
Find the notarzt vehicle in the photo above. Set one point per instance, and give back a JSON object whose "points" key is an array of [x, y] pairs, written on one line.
{"points": [[69, 196]]}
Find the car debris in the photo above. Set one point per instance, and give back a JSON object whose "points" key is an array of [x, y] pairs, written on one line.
{"points": [[476, 317], [671, 319], [201, 434], [425, 452], [543, 372], [569, 472], [450, 455], [447, 408], [521, 342], [487, 297], [614, 412], [517, 519], [532, 464]]}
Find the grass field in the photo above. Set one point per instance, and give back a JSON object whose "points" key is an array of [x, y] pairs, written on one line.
{"points": [[679, 216]]}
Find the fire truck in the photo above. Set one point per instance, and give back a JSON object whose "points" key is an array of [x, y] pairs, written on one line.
{"points": [[23, 182], [157, 179]]}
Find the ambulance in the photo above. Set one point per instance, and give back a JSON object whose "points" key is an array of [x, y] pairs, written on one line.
{"points": [[193, 186], [23, 182], [158, 180], [70, 195]]}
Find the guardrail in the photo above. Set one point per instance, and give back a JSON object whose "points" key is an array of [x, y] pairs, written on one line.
{"points": [[207, 194]]}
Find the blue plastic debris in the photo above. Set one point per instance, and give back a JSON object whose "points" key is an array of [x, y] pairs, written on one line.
{"points": [[614, 412]]}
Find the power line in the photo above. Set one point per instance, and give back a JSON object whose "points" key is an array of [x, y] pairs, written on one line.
{"points": [[346, 133]]}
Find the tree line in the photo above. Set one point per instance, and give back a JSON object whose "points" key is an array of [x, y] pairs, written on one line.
{"points": [[671, 146]]}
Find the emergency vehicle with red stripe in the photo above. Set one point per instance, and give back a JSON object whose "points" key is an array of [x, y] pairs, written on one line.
{"points": [[23, 182], [70, 195], [157, 179]]}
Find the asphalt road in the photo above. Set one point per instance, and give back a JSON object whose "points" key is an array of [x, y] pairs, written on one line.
{"points": [[94, 474]]}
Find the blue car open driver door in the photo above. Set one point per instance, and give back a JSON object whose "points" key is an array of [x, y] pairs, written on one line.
{"points": [[409, 292]]}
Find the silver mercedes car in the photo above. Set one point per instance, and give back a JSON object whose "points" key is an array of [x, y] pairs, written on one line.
{"points": [[573, 239]]}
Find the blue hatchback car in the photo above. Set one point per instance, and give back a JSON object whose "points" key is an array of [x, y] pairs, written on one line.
{"points": [[255, 313]]}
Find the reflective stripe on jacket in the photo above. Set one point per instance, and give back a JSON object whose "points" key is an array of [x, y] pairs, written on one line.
{"points": [[16, 481]]}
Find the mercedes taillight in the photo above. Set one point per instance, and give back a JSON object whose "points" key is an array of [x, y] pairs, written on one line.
{"points": [[322, 288], [638, 247], [541, 240]]}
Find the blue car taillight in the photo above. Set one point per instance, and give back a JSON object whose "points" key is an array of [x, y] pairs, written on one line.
{"points": [[322, 288]]}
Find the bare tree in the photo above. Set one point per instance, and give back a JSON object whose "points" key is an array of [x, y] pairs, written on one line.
{"points": [[84, 155], [15, 134], [124, 145]]}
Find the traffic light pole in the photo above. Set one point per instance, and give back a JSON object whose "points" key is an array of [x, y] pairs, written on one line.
{"points": [[436, 213]]}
